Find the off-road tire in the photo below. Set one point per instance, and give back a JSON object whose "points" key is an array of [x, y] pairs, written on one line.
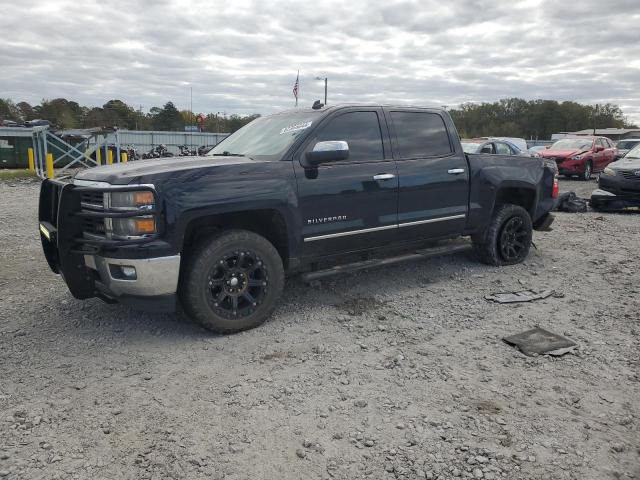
{"points": [[196, 294], [489, 245]]}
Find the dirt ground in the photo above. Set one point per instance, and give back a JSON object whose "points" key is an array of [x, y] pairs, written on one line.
{"points": [[399, 373]]}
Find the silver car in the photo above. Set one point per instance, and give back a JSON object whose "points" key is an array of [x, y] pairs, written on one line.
{"points": [[493, 147], [624, 146], [619, 184]]}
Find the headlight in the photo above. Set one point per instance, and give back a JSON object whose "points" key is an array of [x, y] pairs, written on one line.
{"points": [[609, 171], [133, 226], [142, 201]]}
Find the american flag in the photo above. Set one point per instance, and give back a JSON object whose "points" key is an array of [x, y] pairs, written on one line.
{"points": [[295, 87]]}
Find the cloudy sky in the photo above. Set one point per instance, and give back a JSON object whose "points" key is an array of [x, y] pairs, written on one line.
{"points": [[241, 56]]}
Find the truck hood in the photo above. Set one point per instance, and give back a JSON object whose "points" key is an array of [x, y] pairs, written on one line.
{"points": [[124, 173]]}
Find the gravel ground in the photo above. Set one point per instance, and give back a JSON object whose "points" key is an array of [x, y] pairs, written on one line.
{"points": [[387, 374]]}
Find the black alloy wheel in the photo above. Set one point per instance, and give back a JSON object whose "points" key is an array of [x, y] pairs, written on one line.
{"points": [[513, 239], [231, 281], [237, 284], [507, 239]]}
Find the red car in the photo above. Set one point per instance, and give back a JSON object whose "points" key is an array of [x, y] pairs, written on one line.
{"points": [[581, 156]]}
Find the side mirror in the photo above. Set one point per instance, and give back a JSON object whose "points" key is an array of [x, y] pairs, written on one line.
{"points": [[328, 152], [547, 147], [599, 148]]}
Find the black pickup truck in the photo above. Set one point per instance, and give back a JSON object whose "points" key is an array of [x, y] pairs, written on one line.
{"points": [[292, 192]]}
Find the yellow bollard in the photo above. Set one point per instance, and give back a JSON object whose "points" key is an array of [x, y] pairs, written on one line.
{"points": [[125, 157], [49, 163], [32, 162], [98, 157], [109, 157]]}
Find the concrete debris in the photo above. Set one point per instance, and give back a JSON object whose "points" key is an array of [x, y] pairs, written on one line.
{"points": [[517, 297], [539, 341]]}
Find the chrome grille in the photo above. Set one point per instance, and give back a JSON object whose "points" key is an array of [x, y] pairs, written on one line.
{"points": [[92, 200], [94, 226], [630, 174]]}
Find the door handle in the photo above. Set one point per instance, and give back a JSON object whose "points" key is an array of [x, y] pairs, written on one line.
{"points": [[384, 176], [455, 171]]}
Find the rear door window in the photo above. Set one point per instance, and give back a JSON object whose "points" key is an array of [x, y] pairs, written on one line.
{"points": [[502, 149], [420, 134], [487, 148]]}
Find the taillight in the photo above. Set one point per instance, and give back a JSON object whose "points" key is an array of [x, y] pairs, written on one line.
{"points": [[556, 188]]}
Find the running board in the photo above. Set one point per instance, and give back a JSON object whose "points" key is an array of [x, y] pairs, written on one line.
{"points": [[450, 247]]}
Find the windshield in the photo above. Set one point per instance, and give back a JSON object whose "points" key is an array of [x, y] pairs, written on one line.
{"points": [[468, 147], [266, 138], [572, 144], [627, 144], [634, 153]]}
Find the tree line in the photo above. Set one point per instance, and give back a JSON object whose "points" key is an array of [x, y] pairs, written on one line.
{"points": [[67, 114], [534, 119], [511, 117]]}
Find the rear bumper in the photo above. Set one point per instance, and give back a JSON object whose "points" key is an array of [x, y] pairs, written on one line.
{"points": [[543, 224], [605, 200]]}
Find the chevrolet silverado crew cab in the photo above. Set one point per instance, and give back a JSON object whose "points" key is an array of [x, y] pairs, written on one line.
{"points": [[288, 193]]}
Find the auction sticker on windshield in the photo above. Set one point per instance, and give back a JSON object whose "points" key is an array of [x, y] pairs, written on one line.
{"points": [[295, 127]]}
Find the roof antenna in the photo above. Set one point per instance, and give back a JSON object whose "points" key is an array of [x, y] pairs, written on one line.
{"points": [[317, 105]]}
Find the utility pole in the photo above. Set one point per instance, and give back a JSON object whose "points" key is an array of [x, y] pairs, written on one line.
{"points": [[325, 90], [325, 87]]}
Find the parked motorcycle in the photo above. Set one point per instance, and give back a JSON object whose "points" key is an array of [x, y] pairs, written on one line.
{"points": [[157, 152], [186, 151], [131, 152], [204, 149]]}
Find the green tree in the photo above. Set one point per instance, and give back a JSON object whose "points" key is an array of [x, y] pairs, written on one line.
{"points": [[167, 118], [61, 112], [26, 111], [118, 114], [8, 110], [539, 119]]}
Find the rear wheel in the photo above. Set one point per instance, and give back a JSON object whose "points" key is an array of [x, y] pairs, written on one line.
{"points": [[507, 240], [232, 282]]}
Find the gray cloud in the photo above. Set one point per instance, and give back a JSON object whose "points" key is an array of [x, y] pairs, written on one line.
{"points": [[242, 56]]}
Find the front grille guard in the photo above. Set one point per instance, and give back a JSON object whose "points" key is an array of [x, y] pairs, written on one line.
{"points": [[65, 244]]}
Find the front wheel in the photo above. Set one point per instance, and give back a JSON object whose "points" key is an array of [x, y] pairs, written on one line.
{"points": [[586, 175], [507, 240], [232, 282]]}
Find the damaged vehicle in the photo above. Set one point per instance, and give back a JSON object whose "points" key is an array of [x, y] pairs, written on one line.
{"points": [[619, 184], [581, 156], [313, 191]]}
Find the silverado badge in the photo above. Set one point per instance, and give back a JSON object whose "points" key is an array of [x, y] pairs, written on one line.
{"points": [[338, 218]]}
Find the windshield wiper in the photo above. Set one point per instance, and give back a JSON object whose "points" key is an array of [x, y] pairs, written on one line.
{"points": [[227, 154]]}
